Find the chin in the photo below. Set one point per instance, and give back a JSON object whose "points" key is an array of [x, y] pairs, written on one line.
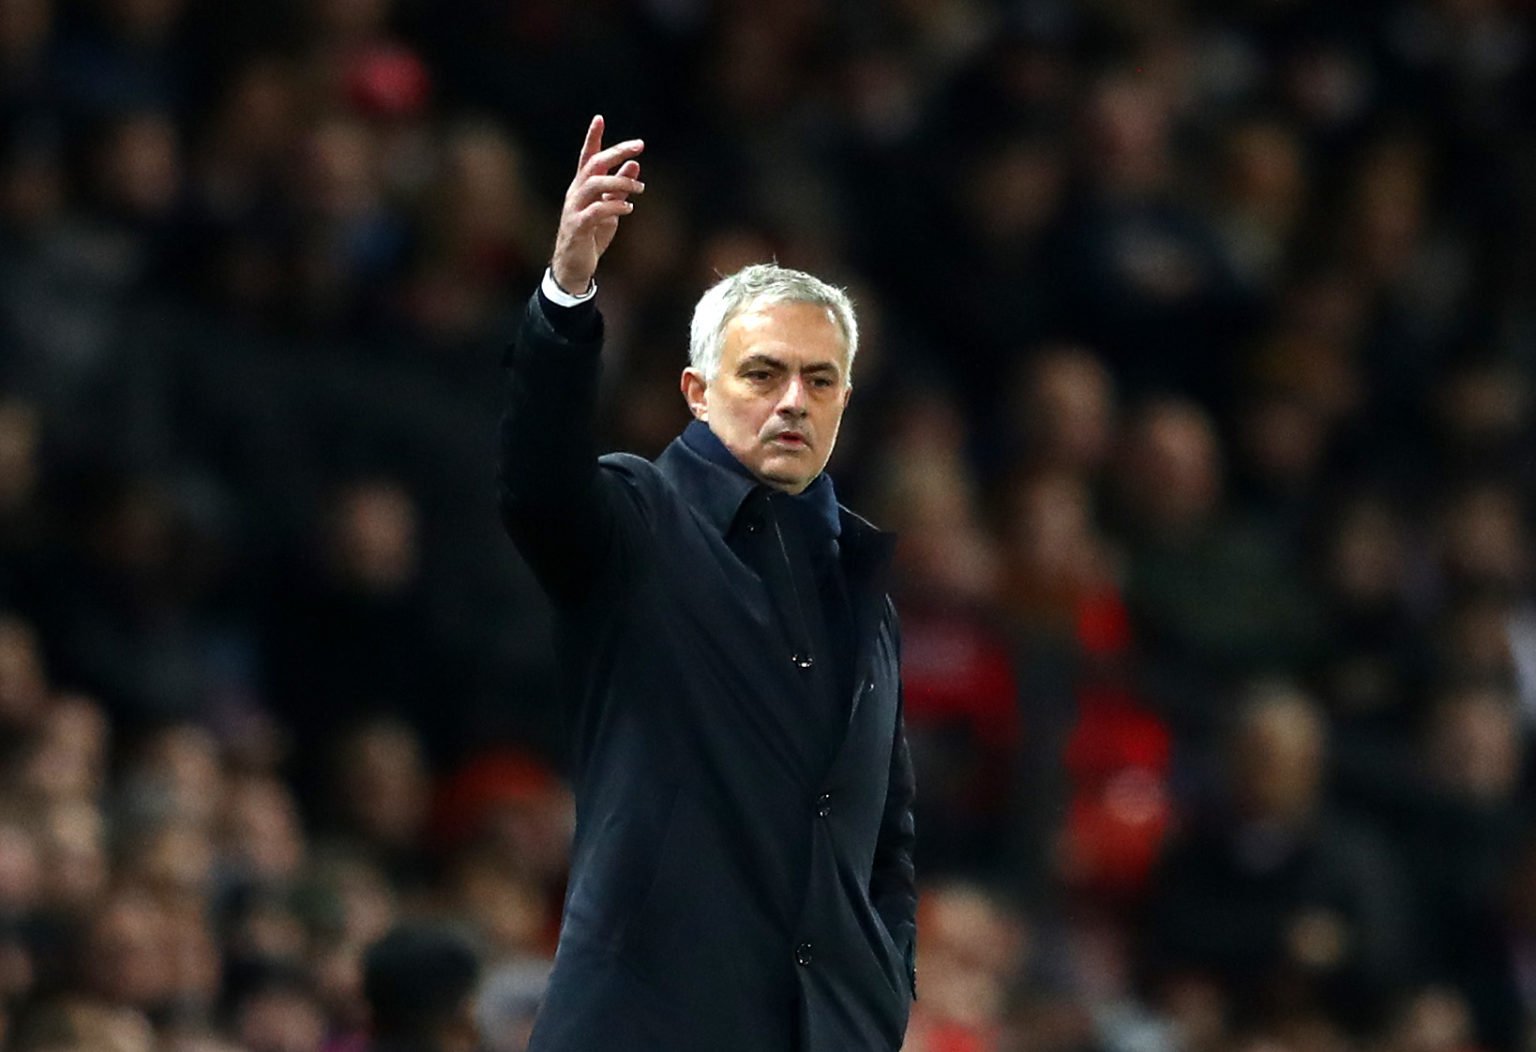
{"points": [[785, 480]]}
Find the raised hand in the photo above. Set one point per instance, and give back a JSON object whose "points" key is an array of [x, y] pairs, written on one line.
{"points": [[596, 200]]}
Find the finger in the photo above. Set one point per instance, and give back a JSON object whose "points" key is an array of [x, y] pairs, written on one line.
{"points": [[593, 141], [607, 160], [628, 170], [603, 210], [600, 186]]}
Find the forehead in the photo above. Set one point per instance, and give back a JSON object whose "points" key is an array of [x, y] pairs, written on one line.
{"points": [[803, 333]]}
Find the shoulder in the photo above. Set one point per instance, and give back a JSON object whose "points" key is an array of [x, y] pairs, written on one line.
{"points": [[630, 465], [634, 471], [641, 482]]}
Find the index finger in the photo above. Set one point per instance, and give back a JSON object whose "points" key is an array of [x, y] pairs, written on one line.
{"points": [[593, 141], [607, 160]]}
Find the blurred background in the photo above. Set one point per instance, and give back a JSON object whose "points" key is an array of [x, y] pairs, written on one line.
{"points": [[1197, 382]]}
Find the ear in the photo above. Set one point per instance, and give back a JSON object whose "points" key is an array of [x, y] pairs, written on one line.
{"points": [[847, 394], [694, 389]]}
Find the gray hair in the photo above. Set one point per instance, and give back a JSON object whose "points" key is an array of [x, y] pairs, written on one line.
{"points": [[751, 288]]}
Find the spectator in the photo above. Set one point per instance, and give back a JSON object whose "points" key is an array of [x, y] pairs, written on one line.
{"points": [[380, 796], [1463, 830], [353, 637], [1212, 598], [1286, 907], [419, 983], [274, 1009]]}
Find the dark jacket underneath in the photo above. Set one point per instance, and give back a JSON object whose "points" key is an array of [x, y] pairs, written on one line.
{"points": [[741, 873]]}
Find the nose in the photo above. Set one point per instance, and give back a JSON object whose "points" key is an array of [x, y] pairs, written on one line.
{"points": [[792, 401]]}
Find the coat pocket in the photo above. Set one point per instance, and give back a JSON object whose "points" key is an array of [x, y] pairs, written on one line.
{"points": [[677, 922]]}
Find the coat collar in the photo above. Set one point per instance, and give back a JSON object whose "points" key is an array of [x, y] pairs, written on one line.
{"points": [[718, 488], [716, 483]]}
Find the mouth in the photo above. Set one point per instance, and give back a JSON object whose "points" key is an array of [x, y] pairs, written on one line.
{"points": [[790, 440]]}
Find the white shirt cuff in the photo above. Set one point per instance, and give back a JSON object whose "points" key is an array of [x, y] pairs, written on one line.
{"points": [[559, 297]]}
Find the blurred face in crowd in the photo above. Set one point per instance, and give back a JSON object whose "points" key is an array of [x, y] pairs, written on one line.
{"points": [[777, 399], [975, 945], [21, 874], [1265, 173], [24, 27], [339, 177], [1475, 747], [177, 856], [85, 1023], [261, 829], [1367, 555], [1128, 123], [1283, 442], [75, 853], [1011, 194], [142, 165], [1068, 402], [1483, 404], [1485, 541], [1389, 209], [509, 909], [69, 759], [383, 784], [179, 773], [192, 954], [1171, 474], [23, 685], [374, 536], [20, 434], [485, 192], [126, 958], [1475, 641], [929, 494], [280, 1020], [1277, 759]]}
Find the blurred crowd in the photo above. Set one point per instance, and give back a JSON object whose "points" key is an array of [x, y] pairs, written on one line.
{"points": [[1197, 382]]}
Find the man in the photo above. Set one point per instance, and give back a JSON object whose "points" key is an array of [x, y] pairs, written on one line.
{"points": [[741, 876], [419, 982]]}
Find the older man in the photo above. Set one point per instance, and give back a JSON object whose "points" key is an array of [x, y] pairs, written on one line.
{"points": [[742, 876]]}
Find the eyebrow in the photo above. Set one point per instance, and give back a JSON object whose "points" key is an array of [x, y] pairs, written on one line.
{"points": [[760, 359]]}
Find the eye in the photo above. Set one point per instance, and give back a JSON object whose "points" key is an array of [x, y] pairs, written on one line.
{"points": [[758, 375], [826, 383]]}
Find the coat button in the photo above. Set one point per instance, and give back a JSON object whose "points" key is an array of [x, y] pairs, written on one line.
{"points": [[869, 685], [802, 660], [823, 805], [803, 954], [752, 526]]}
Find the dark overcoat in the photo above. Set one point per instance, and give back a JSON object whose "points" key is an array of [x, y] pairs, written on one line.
{"points": [[741, 876]]}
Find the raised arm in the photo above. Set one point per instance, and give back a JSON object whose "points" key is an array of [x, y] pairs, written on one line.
{"points": [[564, 520]]}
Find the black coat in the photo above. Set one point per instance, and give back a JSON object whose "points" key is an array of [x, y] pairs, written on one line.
{"points": [[741, 876]]}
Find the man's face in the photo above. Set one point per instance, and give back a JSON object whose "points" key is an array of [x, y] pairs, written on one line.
{"points": [[778, 397]]}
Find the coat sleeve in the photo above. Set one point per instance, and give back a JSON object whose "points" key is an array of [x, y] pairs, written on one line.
{"points": [[569, 518], [893, 882]]}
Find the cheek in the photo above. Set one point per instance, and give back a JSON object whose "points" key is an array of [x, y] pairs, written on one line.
{"points": [[748, 416], [830, 418]]}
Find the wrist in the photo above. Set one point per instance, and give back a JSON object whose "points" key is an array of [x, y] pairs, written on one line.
{"points": [[560, 293]]}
